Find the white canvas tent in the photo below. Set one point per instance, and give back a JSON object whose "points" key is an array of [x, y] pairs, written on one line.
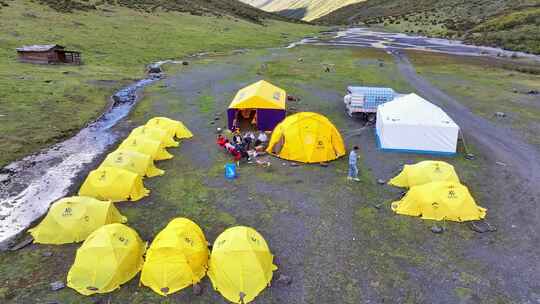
{"points": [[413, 124]]}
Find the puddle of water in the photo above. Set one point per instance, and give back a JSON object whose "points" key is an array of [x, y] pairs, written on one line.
{"points": [[31, 184]]}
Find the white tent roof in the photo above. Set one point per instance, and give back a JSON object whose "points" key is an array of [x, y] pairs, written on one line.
{"points": [[412, 109]]}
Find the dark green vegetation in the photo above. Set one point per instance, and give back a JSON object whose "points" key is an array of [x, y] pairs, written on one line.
{"points": [[512, 24], [339, 241], [41, 104]]}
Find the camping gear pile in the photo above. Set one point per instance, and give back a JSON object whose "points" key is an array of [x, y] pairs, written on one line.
{"points": [[435, 193], [413, 124]]}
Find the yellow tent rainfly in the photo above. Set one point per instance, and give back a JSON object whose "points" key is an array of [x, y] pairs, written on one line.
{"points": [[146, 146], [425, 172], [110, 256], [173, 127], [241, 264], [306, 137], [107, 183], [73, 219], [440, 201], [177, 258], [132, 161], [156, 134]]}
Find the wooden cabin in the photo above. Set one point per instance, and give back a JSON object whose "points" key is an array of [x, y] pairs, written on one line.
{"points": [[48, 54]]}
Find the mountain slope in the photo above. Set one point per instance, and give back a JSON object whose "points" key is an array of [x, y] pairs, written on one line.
{"points": [[513, 24], [300, 9], [196, 7]]}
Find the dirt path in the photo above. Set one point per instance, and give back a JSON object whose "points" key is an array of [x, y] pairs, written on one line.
{"points": [[514, 179]]}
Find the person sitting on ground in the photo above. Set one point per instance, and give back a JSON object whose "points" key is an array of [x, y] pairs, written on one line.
{"points": [[263, 138], [237, 139], [230, 147], [221, 140], [249, 137]]}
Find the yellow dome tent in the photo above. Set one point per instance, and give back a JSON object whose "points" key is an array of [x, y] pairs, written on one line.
{"points": [[132, 161], [177, 258], [171, 126], [107, 183], [146, 146], [425, 172], [240, 264], [156, 134], [110, 256], [72, 219], [440, 201], [306, 137]]}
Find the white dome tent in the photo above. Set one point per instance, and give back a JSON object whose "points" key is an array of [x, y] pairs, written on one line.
{"points": [[413, 124]]}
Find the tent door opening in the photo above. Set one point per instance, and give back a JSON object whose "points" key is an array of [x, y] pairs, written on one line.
{"points": [[246, 120]]}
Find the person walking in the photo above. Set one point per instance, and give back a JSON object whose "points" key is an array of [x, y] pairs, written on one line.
{"points": [[353, 165]]}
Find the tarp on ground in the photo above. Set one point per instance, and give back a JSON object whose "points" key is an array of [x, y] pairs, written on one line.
{"points": [[268, 100], [154, 133], [306, 137], [133, 161], [146, 146], [110, 256], [439, 201], [413, 124], [73, 219], [425, 172], [241, 264], [177, 258], [114, 184], [173, 127]]}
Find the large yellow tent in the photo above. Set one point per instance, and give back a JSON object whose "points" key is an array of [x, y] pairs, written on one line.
{"points": [[158, 134], [177, 258], [108, 183], [241, 264], [132, 161], [267, 100], [110, 256], [425, 172], [72, 219], [306, 137], [146, 146], [173, 127], [440, 201]]}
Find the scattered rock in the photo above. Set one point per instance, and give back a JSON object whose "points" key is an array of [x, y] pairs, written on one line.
{"points": [[500, 114], [294, 164], [48, 81], [216, 118], [27, 241], [381, 64], [515, 90], [533, 92], [300, 59], [323, 164], [470, 156], [381, 181], [57, 285], [185, 63], [501, 164], [481, 227], [154, 69], [197, 289], [437, 229], [212, 122], [284, 280], [47, 254], [378, 206]]}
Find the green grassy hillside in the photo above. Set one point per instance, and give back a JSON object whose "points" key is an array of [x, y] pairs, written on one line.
{"points": [[300, 9], [41, 104], [512, 24]]}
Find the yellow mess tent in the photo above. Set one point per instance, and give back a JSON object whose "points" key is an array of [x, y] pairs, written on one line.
{"points": [[240, 264], [72, 219], [173, 127], [440, 201], [132, 161], [157, 134], [110, 256], [114, 184], [261, 104], [306, 137], [177, 258], [425, 172], [146, 146]]}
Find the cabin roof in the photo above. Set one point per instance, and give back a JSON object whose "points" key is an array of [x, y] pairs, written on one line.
{"points": [[39, 47]]}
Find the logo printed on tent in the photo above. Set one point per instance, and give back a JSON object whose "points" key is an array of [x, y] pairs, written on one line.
{"points": [[277, 96], [452, 194]]}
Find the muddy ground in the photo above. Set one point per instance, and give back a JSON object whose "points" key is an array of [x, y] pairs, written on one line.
{"points": [[339, 241]]}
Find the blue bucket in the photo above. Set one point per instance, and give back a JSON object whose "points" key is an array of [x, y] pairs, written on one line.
{"points": [[230, 171]]}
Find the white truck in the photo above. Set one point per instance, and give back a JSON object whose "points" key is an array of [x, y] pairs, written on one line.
{"points": [[363, 101]]}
